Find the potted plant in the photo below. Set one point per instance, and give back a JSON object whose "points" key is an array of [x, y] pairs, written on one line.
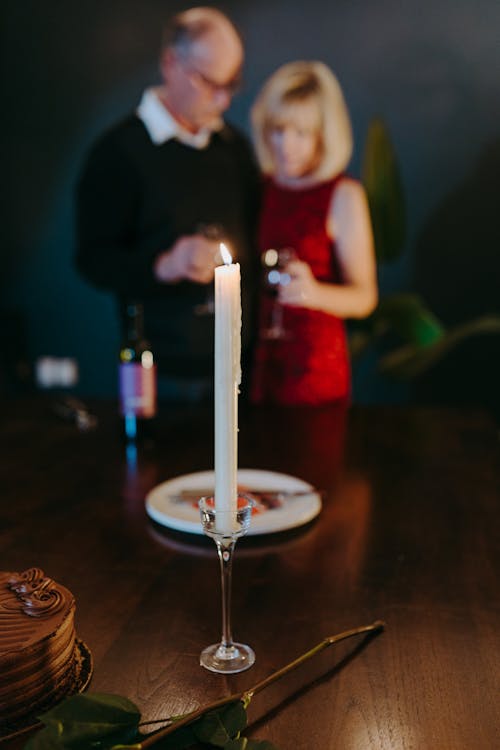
{"points": [[409, 337]]}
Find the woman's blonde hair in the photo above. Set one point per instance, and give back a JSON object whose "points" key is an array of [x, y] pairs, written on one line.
{"points": [[298, 82]]}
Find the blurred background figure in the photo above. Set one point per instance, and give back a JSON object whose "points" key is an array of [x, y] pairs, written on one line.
{"points": [[161, 189], [314, 236], [420, 80]]}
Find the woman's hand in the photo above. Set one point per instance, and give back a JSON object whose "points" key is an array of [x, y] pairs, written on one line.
{"points": [[355, 296], [302, 289]]}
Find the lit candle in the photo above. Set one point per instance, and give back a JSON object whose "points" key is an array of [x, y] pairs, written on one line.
{"points": [[227, 378]]}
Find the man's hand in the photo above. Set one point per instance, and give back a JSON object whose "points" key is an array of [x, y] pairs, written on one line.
{"points": [[192, 257]]}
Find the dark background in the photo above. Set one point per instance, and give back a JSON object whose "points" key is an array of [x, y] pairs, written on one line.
{"points": [[429, 68]]}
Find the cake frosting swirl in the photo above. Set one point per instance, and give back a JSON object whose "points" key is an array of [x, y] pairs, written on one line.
{"points": [[40, 595], [37, 642]]}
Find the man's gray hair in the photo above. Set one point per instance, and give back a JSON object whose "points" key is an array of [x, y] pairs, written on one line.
{"points": [[187, 27]]}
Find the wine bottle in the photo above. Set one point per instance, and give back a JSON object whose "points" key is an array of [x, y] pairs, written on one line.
{"points": [[137, 379]]}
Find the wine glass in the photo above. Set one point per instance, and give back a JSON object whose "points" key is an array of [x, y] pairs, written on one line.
{"points": [[213, 232], [274, 263], [225, 527]]}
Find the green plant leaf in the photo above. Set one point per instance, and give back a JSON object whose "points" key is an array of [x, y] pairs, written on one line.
{"points": [[384, 190], [105, 709], [82, 719], [218, 727], [403, 315], [410, 361], [45, 739], [234, 718], [211, 730], [182, 738], [408, 316]]}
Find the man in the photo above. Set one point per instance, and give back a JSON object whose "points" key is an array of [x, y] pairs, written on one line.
{"points": [[161, 189]]}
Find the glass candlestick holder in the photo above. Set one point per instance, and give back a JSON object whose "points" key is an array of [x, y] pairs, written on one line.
{"points": [[225, 528]]}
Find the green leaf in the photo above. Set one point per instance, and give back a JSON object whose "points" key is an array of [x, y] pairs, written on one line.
{"points": [[234, 718], [99, 708], [408, 316], [410, 361], [404, 315], [218, 727], [82, 719], [45, 739], [183, 737], [383, 185], [211, 729], [240, 744]]}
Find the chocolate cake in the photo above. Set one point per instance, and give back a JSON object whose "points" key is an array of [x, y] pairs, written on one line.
{"points": [[38, 647]]}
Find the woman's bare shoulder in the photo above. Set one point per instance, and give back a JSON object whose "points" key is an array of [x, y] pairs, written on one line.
{"points": [[349, 198]]}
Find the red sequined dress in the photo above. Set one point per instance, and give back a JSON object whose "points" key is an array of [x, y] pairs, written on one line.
{"points": [[311, 364]]}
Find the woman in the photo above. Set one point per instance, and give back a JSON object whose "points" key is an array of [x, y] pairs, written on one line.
{"points": [[303, 142]]}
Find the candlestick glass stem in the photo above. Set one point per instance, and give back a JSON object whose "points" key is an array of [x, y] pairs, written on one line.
{"points": [[225, 528]]}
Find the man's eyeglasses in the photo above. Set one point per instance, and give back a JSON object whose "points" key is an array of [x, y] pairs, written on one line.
{"points": [[230, 88]]}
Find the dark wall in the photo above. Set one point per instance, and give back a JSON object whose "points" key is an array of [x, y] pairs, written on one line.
{"points": [[69, 69]]}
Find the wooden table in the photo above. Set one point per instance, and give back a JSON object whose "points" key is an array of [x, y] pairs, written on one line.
{"points": [[408, 534]]}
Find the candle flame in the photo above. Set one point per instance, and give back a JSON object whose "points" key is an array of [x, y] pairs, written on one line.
{"points": [[225, 254]]}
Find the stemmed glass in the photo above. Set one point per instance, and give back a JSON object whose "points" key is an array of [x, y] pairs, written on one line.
{"points": [[225, 528], [274, 263], [213, 232]]}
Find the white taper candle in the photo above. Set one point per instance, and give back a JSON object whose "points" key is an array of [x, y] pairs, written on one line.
{"points": [[227, 378]]}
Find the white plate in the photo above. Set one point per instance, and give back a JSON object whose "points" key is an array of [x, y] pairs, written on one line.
{"points": [[184, 516]]}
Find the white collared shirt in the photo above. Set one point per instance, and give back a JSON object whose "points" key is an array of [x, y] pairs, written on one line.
{"points": [[161, 126]]}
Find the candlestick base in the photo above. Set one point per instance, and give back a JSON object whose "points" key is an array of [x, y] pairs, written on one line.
{"points": [[227, 659]]}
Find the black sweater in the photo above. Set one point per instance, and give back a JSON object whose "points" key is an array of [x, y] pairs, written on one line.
{"points": [[134, 199]]}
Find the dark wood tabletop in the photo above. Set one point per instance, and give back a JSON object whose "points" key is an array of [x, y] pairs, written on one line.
{"points": [[408, 534]]}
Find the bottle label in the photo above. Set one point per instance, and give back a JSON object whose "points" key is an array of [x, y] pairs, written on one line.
{"points": [[137, 390]]}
